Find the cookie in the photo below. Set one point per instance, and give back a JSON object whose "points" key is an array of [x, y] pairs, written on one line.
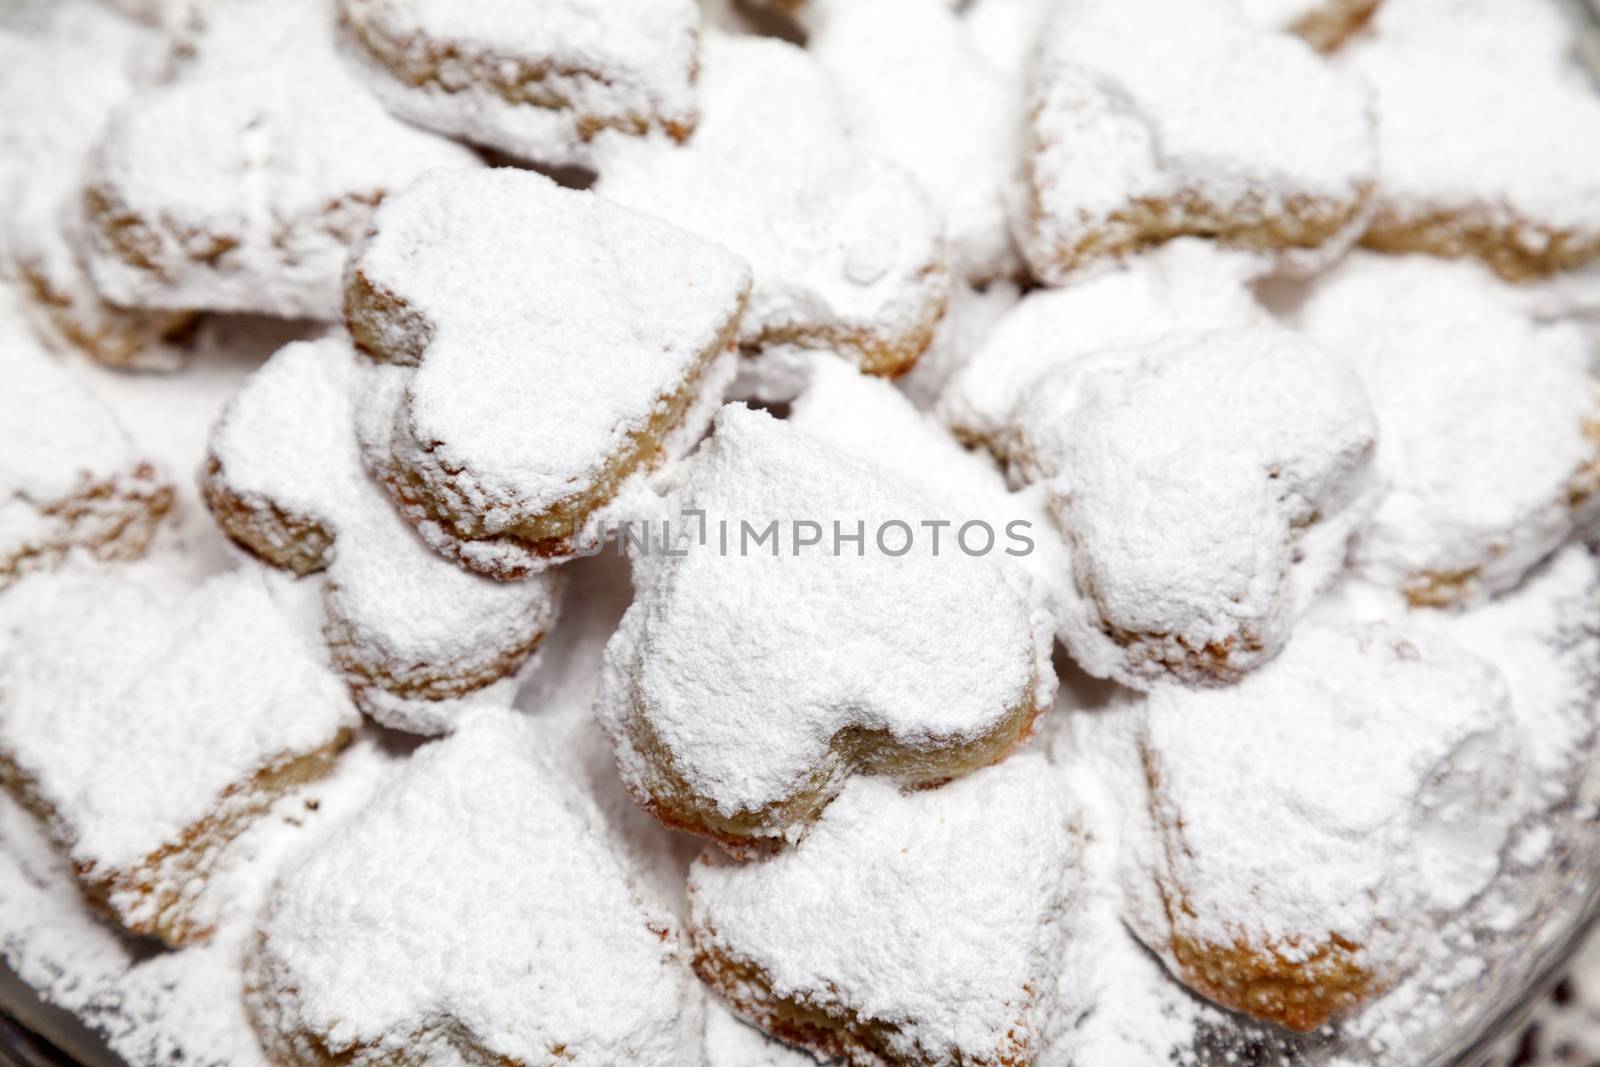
{"points": [[1208, 486], [410, 631], [1149, 120], [1488, 136], [916, 91], [148, 724], [741, 715], [537, 79], [845, 249], [520, 400], [1490, 422], [1324, 24], [63, 79], [1310, 822], [960, 902], [425, 930], [240, 186], [872, 422], [70, 479], [1186, 285]]}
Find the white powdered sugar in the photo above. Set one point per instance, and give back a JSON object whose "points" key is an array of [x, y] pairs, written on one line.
{"points": [[870, 421], [285, 479], [522, 397], [733, 1043], [1489, 422], [240, 185], [960, 902], [147, 720], [1208, 485], [1489, 134], [1187, 285], [916, 90], [62, 81], [69, 476], [537, 79], [1321, 812], [742, 714], [845, 249], [428, 928], [1150, 119]]}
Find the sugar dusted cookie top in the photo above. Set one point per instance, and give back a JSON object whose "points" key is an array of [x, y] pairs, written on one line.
{"points": [[1489, 422], [1209, 485], [1186, 285], [284, 477], [144, 719], [240, 185], [959, 902], [915, 89], [1489, 134], [1318, 812], [845, 249], [1150, 120], [534, 78], [474, 912], [1324, 24], [546, 340], [741, 714], [69, 475]]}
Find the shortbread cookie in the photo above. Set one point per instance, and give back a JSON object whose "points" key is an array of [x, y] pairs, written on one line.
{"points": [[240, 186], [845, 249], [751, 678], [1324, 24], [1187, 285], [1488, 133], [959, 902], [544, 346], [472, 914], [284, 478], [1490, 422], [1149, 120], [69, 476], [62, 82], [148, 724], [1311, 821], [915, 89], [1209, 485], [537, 79]]}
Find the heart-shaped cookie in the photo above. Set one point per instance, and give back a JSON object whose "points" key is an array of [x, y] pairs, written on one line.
{"points": [[546, 345], [284, 478], [813, 628]]}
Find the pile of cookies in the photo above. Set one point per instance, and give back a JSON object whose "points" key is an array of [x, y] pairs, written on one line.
{"points": [[897, 532]]}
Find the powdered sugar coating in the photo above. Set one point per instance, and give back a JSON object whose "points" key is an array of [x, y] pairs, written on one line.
{"points": [[62, 81], [147, 721], [846, 251], [534, 78], [1319, 812], [69, 476], [428, 929], [522, 397], [915, 90], [1187, 285], [870, 421], [285, 478], [239, 186], [1490, 422], [1149, 120], [742, 716], [960, 902], [1208, 485], [1489, 135]]}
